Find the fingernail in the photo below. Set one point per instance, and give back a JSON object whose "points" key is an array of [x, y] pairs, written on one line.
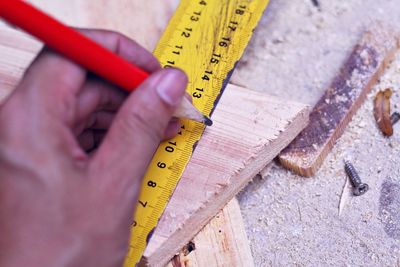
{"points": [[171, 87]]}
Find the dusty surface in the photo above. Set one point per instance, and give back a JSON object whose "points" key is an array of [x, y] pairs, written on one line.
{"points": [[294, 221]]}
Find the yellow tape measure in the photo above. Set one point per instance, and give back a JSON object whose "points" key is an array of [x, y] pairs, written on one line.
{"points": [[205, 38]]}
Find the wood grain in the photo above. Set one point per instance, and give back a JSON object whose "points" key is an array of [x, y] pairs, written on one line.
{"points": [[144, 21], [231, 152], [343, 98], [222, 242], [17, 50]]}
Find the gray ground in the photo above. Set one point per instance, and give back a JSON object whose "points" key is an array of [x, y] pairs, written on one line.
{"points": [[295, 221]]}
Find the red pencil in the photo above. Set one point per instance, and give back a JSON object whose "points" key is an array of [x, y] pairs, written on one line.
{"points": [[83, 51]]}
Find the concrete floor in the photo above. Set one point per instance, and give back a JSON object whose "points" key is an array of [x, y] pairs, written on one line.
{"points": [[295, 221]]}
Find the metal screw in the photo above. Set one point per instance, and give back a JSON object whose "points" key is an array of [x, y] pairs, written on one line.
{"points": [[359, 188], [395, 118]]}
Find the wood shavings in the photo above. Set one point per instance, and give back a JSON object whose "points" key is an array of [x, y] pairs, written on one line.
{"points": [[382, 111], [344, 196]]}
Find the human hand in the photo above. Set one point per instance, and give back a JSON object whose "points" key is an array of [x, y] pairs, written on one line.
{"points": [[73, 151]]}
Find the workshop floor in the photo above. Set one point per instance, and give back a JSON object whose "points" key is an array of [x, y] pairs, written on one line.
{"points": [[295, 221]]}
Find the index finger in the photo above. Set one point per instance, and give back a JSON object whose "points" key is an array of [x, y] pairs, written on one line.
{"points": [[124, 47], [52, 79]]}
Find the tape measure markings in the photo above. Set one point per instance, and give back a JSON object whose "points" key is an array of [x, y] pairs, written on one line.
{"points": [[205, 38]]}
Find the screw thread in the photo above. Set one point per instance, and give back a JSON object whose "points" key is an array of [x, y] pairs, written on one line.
{"points": [[395, 118], [352, 173]]}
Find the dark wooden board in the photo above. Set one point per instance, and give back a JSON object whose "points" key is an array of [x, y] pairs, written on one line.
{"points": [[341, 100]]}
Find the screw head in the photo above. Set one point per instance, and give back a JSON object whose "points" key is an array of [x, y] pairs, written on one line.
{"points": [[360, 189]]}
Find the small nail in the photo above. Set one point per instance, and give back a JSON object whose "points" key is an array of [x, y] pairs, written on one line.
{"points": [[171, 87]]}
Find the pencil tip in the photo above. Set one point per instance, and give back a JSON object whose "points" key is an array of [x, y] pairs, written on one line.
{"points": [[208, 121]]}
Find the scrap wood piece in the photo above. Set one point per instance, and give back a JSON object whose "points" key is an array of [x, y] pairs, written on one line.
{"points": [[337, 106], [147, 19], [231, 152], [382, 112], [222, 242], [17, 50]]}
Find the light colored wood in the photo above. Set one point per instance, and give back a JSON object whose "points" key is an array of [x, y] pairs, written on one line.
{"points": [[222, 242], [143, 21], [16, 52], [249, 130], [342, 99]]}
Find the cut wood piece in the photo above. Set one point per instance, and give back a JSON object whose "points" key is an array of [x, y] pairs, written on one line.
{"points": [[249, 130], [17, 50], [222, 242], [337, 106], [143, 21]]}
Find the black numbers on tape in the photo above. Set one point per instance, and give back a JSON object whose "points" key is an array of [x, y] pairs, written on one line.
{"points": [[161, 165], [144, 204], [151, 184], [233, 25], [186, 32], [215, 58], [177, 50], [225, 42], [197, 94], [170, 148], [196, 16], [206, 76], [240, 10], [169, 65], [181, 131]]}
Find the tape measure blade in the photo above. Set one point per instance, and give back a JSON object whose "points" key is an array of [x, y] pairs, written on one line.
{"points": [[205, 38]]}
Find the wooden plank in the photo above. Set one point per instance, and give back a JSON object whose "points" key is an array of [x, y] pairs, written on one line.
{"points": [[337, 106], [231, 152], [222, 242], [144, 21], [17, 50]]}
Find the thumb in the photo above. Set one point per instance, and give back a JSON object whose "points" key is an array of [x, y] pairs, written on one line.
{"points": [[139, 126]]}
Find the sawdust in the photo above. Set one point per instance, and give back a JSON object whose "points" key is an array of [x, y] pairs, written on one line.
{"points": [[294, 221]]}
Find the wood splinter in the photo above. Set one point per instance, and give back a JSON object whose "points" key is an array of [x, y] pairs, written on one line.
{"points": [[382, 112], [337, 106], [242, 141]]}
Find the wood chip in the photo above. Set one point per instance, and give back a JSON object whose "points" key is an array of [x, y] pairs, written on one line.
{"points": [[341, 100], [382, 111]]}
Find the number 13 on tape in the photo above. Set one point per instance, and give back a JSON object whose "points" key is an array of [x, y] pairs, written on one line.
{"points": [[205, 38]]}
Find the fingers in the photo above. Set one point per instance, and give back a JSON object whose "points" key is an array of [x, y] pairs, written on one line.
{"points": [[96, 96], [50, 85], [47, 96], [173, 128], [91, 139], [139, 126], [124, 47]]}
